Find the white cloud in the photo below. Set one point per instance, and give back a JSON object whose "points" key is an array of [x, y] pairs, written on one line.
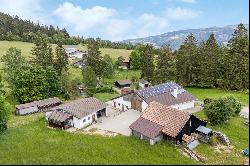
{"points": [[182, 14], [84, 19], [108, 24], [189, 1], [25, 9]]}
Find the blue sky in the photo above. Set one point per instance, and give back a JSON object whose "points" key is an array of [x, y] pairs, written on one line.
{"points": [[117, 20]]}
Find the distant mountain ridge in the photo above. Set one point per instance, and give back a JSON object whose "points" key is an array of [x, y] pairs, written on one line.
{"points": [[176, 38]]}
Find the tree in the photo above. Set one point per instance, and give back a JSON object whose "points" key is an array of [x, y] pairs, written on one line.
{"points": [[187, 62], [94, 59], [147, 62], [42, 51], [209, 63], [13, 62], [237, 60], [69, 87], [4, 109], [166, 66], [35, 83], [135, 60], [61, 60], [108, 70], [119, 61], [90, 80], [220, 110]]}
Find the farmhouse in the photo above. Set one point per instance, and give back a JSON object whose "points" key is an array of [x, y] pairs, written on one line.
{"points": [[79, 113], [169, 94], [126, 63], [159, 122], [37, 106], [123, 83]]}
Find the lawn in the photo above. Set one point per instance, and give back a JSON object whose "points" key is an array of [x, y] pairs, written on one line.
{"points": [[238, 134], [114, 53], [105, 96], [202, 93], [33, 143]]}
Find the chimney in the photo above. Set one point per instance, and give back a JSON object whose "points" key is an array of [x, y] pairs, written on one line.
{"points": [[175, 92]]}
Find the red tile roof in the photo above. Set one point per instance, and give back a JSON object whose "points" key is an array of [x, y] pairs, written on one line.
{"points": [[170, 119]]}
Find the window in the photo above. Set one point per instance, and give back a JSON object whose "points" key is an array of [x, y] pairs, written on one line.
{"points": [[84, 120], [119, 104], [88, 118]]}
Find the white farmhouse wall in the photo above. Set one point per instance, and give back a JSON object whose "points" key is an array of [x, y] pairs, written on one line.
{"points": [[28, 110], [183, 106], [144, 105], [78, 123], [119, 102]]}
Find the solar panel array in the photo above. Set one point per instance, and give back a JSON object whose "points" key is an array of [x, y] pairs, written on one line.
{"points": [[160, 89]]}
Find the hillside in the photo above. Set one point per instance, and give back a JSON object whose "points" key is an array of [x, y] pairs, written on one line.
{"points": [[26, 49], [175, 38]]}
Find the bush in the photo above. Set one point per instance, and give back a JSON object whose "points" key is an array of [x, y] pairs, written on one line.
{"points": [[234, 104], [220, 110]]}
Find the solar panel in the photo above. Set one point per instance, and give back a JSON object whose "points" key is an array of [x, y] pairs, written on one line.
{"points": [[160, 89]]}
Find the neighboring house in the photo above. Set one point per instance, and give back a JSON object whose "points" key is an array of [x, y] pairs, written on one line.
{"points": [[143, 83], [78, 54], [169, 94], [159, 122], [37, 106], [123, 83], [78, 113], [70, 48], [126, 63], [121, 102]]}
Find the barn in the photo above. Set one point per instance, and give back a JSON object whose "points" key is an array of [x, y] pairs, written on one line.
{"points": [[78, 113], [123, 83], [37, 106], [169, 94], [159, 122], [126, 63]]}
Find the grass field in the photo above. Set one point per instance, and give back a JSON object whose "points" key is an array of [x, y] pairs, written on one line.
{"points": [[33, 143], [114, 53], [202, 93]]}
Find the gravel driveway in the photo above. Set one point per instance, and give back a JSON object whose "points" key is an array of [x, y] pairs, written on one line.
{"points": [[118, 124]]}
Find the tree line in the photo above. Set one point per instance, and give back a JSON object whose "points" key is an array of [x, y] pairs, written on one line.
{"points": [[13, 28], [206, 65]]}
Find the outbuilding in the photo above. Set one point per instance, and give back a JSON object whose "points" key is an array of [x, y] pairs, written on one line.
{"points": [[81, 113], [37, 106], [123, 83], [143, 83]]}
